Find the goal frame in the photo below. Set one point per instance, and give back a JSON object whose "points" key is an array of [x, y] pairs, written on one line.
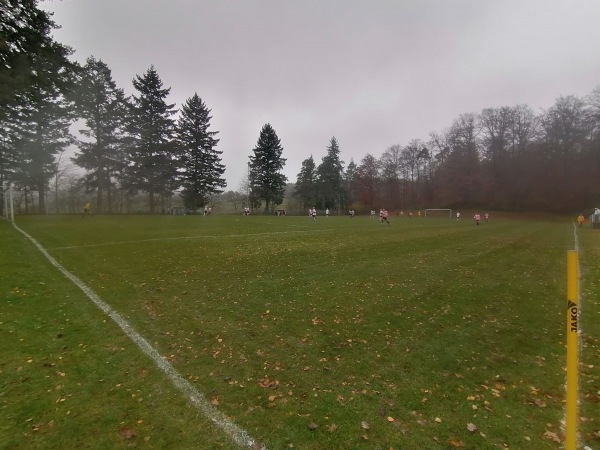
{"points": [[7, 200], [439, 209]]}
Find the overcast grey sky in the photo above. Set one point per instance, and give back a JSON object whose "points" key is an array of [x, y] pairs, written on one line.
{"points": [[372, 73]]}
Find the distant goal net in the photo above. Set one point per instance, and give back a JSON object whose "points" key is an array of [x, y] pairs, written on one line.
{"points": [[438, 213]]}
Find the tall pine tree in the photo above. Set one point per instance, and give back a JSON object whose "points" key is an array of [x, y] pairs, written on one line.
{"points": [[267, 183], [152, 166], [103, 107], [201, 169], [349, 180], [35, 77], [331, 178], [305, 190], [43, 134]]}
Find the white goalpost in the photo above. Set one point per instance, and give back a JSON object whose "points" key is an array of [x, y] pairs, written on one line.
{"points": [[7, 194], [438, 212], [4, 201]]}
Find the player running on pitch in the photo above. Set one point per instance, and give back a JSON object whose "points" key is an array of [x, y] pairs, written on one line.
{"points": [[384, 216], [87, 209]]}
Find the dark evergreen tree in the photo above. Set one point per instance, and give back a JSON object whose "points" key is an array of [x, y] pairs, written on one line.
{"points": [[43, 135], [24, 38], [35, 77], [267, 183], [201, 169], [305, 190], [152, 164], [103, 107], [349, 180], [331, 178]]}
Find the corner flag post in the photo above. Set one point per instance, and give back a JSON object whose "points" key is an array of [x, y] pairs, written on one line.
{"points": [[572, 357]]}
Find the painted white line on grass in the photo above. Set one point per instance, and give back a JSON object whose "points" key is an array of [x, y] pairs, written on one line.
{"points": [[185, 237], [579, 302], [275, 232], [133, 242], [233, 431], [580, 347]]}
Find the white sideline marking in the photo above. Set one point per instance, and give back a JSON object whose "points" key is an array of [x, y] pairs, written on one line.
{"points": [[185, 237], [273, 232], [233, 431], [131, 242]]}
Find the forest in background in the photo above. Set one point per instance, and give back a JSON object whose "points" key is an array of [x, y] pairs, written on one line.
{"points": [[140, 154]]}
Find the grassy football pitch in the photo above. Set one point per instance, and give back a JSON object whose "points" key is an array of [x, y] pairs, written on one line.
{"points": [[337, 333]]}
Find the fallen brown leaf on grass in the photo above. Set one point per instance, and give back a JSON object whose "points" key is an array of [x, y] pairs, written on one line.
{"points": [[538, 402], [551, 436], [268, 383], [127, 433]]}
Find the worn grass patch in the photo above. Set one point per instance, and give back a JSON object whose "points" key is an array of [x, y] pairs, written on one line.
{"points": [[337, 333]]}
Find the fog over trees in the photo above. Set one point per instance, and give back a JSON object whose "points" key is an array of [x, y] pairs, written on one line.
{"points": [[142, 154]]}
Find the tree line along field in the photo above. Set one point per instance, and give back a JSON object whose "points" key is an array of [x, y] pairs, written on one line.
{"points": [[507, 156], [334, 333]]}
